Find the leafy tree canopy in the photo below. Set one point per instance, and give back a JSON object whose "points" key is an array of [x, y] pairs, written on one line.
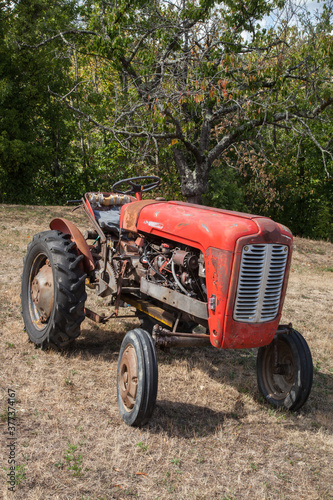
{"points": [[237, 95]]}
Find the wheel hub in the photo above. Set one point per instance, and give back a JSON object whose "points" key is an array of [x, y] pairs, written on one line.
{"points": [[279, 371], [42, 293], [128, 377]]}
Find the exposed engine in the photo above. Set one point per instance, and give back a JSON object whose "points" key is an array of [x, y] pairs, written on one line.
{"points": [[181, 269], [165, 259]]}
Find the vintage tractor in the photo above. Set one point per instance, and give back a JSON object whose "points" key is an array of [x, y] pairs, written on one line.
{"points": [[196, 276]]}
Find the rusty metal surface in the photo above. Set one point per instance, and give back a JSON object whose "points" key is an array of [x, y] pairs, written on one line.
{"points": [[120, 283], [218, 264], [93, 316], [103, 288], [151, 310], [97, 318], [203, 227], [109, 199], [237, 335], [67, 227], [90, 214], [246, 336], [90, 234], [128, 247], [195, 225], [128, 377], [42, 291], [165, 338], [130, 213], [179, 257], [285, 328], [177, 300], [278, 369]]}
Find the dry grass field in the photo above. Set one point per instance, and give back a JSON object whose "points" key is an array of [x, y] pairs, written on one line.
{"points": [[211, 435]]}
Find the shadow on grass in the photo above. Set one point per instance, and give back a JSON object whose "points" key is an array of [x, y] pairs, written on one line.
{"points": [[99, 341], [322, 393], [187, 420], [236, 368]]}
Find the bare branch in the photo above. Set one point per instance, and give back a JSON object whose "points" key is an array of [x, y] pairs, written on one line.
{"points": [[181, 137], [59, 35]]}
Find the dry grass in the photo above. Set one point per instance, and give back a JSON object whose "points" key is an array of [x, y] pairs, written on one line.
{"points": [[211, 436]]}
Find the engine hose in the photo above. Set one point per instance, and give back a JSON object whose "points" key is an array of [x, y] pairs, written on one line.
{"points": [[151, 267], [203, 289], [176, 279]]}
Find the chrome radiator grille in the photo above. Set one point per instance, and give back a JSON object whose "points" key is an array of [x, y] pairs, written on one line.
{"points": [[260, 282]]}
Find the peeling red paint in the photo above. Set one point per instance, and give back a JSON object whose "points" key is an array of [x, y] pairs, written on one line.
{"points": [[201, 227], [220, 235]]}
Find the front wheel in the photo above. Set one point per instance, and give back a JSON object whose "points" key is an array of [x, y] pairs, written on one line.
{"points": [[285, 371], [53, 290], [137, 377]]}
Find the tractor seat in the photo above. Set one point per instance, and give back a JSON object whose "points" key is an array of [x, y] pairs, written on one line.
{"points": [[106, 208], [108, 219]]}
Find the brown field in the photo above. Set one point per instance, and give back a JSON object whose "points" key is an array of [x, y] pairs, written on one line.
{"points": [[211, 435]]}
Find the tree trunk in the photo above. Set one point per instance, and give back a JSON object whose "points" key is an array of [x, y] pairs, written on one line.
{"points": [[196, 198], [194, 183]]}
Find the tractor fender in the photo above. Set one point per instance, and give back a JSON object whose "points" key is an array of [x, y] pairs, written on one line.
{"points": [[67, 227]]}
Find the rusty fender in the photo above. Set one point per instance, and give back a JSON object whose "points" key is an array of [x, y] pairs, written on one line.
{"points": [[67, 227]]}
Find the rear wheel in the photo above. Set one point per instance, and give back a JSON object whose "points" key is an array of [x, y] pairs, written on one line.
{"points": [[285, 371], [53, 290], [137, 377]]}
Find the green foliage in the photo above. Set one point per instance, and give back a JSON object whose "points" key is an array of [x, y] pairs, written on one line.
{"points": [[146, 87], [291, 186], [143, 447], [73, 460], [225, 190], [20, 473], [35, 131]]}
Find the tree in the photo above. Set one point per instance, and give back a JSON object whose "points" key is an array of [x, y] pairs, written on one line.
{"points": [[200, 77], [35, 132]]}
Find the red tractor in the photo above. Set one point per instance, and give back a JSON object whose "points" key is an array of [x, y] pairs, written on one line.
{"points": [[196, 276]]}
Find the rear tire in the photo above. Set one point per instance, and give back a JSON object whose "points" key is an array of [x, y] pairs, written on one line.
{"points": [[53, 290], [289, 385], [137, 377]]}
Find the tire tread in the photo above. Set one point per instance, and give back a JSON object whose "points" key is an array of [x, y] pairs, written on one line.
{"points": [[302, 386], [147, 387], [69, 289]]}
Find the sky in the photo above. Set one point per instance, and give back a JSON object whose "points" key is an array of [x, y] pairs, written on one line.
{"points": [[312, 6]]}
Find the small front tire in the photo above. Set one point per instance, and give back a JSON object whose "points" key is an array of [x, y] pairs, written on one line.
{"points": [[285, 371], [137, 377]]}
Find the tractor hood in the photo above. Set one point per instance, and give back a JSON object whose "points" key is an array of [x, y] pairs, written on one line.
{"points": [[196, 225]]}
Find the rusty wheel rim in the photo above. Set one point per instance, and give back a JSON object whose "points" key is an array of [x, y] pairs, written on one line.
{"points": [[128, 377], [41, 291], [279, 385]]}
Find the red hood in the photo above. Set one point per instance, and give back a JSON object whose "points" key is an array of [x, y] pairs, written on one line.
{"points": [[198, 226]]}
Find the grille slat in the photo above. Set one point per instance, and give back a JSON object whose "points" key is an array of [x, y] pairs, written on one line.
{"points": [[260, 282]]}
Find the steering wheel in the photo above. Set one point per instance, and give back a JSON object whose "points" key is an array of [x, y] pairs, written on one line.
{"points": [[137, 188]]}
